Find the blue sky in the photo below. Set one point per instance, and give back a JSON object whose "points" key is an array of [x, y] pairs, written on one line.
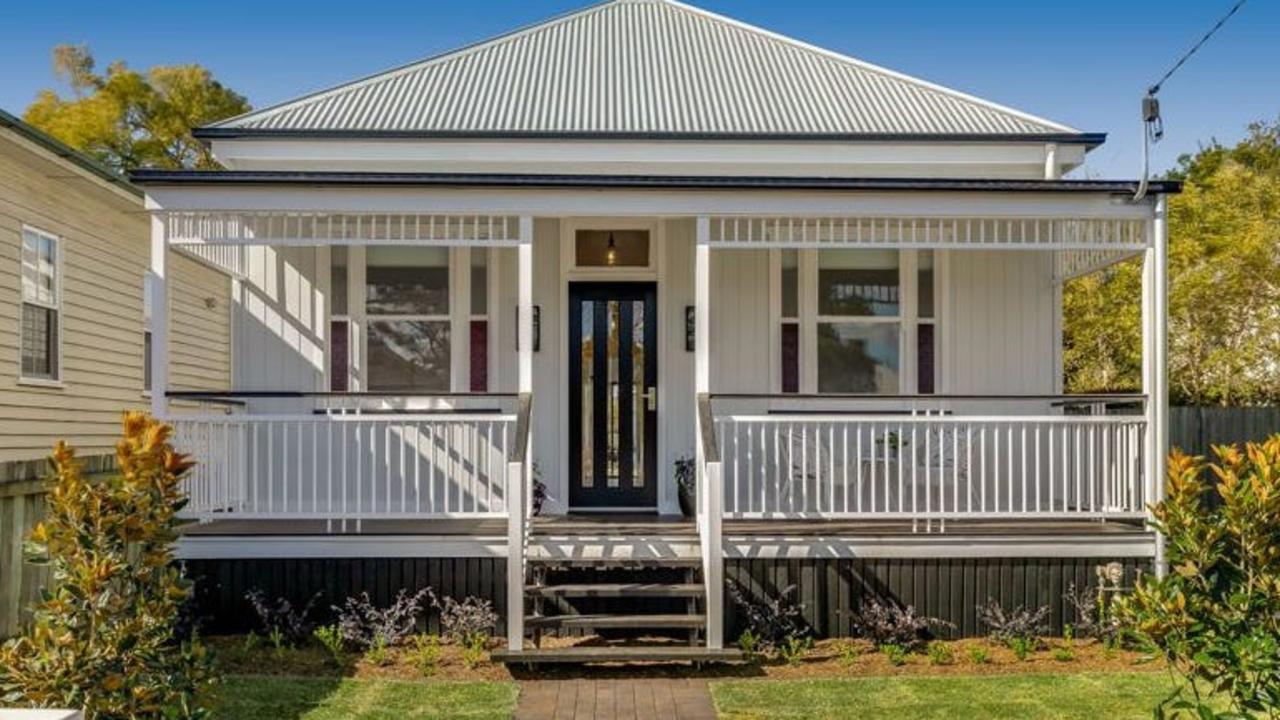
{"points": [[1084, 63]]}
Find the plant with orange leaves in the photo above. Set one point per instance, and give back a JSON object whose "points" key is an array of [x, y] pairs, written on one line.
{"points": [[102, 637]]}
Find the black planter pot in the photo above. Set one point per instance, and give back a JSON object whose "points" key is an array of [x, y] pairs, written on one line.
{"points": [[687, 502]]}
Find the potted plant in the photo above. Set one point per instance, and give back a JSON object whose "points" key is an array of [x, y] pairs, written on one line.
{"points": [[686, 485]]}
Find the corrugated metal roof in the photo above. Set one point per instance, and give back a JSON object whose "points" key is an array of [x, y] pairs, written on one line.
{"points": [[645, 67]]}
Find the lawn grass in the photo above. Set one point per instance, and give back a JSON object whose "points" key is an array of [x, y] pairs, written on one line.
{"points": [[243, 697], [1059, 696]]}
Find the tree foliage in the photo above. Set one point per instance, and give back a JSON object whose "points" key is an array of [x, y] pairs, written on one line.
{"points": [[128, 119], [1216, 616], [102, 638], [1224, 287]]}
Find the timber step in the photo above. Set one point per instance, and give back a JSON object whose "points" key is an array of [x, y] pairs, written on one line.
{"points": [[616, 622], [617, 654], [673, 590]]}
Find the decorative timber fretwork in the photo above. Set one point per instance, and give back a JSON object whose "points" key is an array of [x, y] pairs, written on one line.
{"points": [[313, 228]]}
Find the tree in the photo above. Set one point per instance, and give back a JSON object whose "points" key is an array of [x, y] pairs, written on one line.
{"points": [[127, 119], [103, 634], [1224, 289]]}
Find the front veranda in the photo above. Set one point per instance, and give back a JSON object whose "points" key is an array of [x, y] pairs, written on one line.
{"points": [[410, 356]]}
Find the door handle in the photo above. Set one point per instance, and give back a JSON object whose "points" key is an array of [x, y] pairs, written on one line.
{"points": [[650, 397]]}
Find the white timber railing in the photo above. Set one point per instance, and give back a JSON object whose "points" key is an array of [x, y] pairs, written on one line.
{"points": [[341, 467], [931, 465]]}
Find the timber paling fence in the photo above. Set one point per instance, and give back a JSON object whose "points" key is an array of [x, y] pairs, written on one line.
{"points": [[1193, 429]]}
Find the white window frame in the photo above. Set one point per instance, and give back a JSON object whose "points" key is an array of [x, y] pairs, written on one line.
{"points": [[907, 319], [55, 304]]}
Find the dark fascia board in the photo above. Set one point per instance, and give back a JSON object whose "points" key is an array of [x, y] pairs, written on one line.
{"points": [[1091, 140], [269, 177], [66, 152]]}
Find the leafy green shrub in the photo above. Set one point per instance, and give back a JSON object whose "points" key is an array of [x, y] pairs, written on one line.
{"points": [[425, 654], [794, 649], [941, 653], [749, 645], [895, 654], [330, 638], [979, 655], [475, 650], [884, 623], [102, 637], [849, 653], [1064, 654], [1021, 647], [1215, 618], [376, 653]]}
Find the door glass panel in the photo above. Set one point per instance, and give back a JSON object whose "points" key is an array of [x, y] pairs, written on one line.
{"points": [[639, 399], [613, 437], [588, 399]]}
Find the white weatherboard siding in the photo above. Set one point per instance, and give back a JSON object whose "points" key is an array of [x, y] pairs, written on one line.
{"points": [[104, 246]]}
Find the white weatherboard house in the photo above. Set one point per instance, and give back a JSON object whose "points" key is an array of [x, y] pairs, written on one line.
{"points": [[637, 233]]}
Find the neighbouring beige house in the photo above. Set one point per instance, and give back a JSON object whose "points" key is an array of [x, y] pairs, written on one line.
{"points": [[74, 249]]}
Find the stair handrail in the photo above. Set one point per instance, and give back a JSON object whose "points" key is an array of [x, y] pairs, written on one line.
{"points": [[519, 488]]}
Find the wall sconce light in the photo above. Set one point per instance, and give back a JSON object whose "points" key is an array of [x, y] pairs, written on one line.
{"points": [[537, 328], [611, 254], [690, 328]]}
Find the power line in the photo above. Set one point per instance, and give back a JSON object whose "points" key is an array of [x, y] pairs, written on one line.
{"points": [[1187, 55]]}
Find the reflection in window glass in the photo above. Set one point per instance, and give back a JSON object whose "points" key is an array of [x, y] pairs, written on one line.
{"points": [[790, 357], [339, 355], [479, 281], [925, 359], [858, 358], [790, 284], [858, 283], [479, 356], [924, 274], [408, 355], [338, 280], [407, 281]]}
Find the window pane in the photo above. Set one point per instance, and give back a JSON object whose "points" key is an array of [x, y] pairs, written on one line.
{"points": [[612, 248], [339, 355], [790, 284], [479, 356], [338, 280], [925, 363], [858, 282], [858, 358], [790, 357], [407, 281], [409, 355], [479, 281], [39, 342], [924, 273], [146, 360]]}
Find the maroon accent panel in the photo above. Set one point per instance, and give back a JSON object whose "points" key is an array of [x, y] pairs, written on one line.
{"points": [[924, 359], [339, 355], [479, 356], [790, 357]]}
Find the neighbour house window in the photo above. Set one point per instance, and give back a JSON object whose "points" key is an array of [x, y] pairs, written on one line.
{"points": [[146, 332], [41, 306], [479, 325], [859, 321]]}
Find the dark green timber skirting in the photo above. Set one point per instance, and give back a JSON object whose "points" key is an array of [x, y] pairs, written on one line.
{"points": [[947, 589], [221, 585]]}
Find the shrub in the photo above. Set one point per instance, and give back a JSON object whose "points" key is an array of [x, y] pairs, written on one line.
{"points": [[376, 653], [281, 619], [849, 653], [330, 638], [941, 653], [979, 655], [773, 621], [1215, 618], [102, 636], [1018, 624], [1021, 646], [895, 654], [750, 645], [467, 623], [1094, 609], [362, 623], [1064, 654], [425, 655], [889, 624], [794, 649]]}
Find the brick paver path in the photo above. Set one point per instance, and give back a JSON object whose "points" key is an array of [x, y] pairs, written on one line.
{"points": [[640, 699]]}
